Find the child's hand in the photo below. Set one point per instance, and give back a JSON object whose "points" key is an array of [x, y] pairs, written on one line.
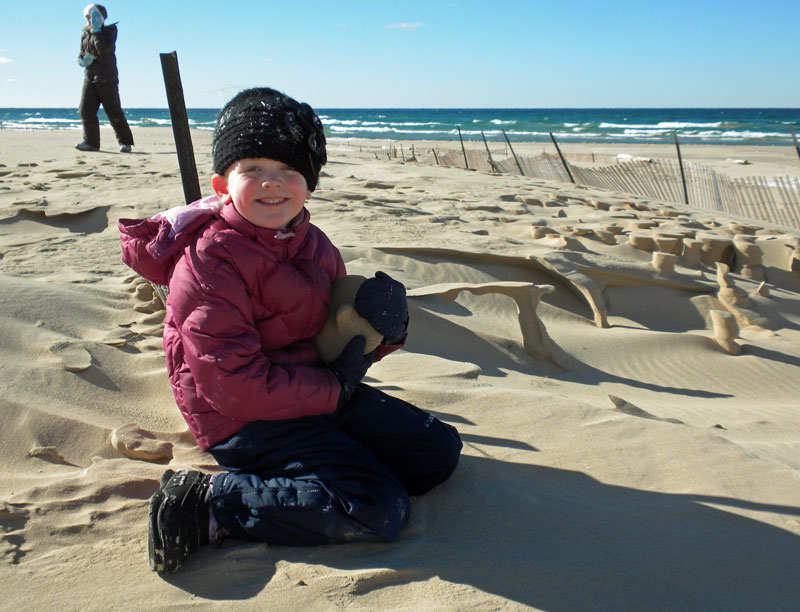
{"points": [[382, 301], [350, 367]]}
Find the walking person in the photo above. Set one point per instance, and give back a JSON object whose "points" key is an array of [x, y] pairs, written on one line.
{"points": [[101, 82]]}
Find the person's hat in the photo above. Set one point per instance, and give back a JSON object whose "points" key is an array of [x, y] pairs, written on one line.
{"points": [[263, 122], [99, 7]]}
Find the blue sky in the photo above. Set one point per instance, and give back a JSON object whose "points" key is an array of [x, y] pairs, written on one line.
{"points": [[413, 53]]}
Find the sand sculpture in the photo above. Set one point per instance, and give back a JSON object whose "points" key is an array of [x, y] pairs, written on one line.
{"points": [[535, 339], [664, 263], [736, 301], [750, 256], [691, 256], [715, 248], [590, 281], [136, 443], [726, 330], [794, 256], [72, 356], [343, 322]]}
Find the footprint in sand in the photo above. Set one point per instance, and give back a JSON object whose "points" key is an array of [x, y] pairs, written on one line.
{"points": [[73, 357]]}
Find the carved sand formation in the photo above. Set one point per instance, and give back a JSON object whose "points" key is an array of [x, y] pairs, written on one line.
{"points": [[344, 323], [136, 443], [583, 341], [535, 339], [691, 245]]}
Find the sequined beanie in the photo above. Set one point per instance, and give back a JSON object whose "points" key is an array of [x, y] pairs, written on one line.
{"points": [[262, 122]]}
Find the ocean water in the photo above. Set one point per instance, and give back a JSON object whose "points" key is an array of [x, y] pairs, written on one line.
{"points": [[735, 126]]}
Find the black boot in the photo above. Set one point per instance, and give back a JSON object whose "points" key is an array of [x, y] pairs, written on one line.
{"points": [[178, 519]]}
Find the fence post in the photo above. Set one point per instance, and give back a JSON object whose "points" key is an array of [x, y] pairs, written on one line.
{"points": [[683, 176], [563, 161], [794, 140], [180, 127], [463, 150], [508, 142], [488, 152]]}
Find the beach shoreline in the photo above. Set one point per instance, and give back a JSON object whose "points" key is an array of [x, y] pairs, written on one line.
{"points": [[761, 160]]}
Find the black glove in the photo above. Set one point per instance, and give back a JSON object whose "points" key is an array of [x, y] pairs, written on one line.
{"points": [[382, 301], [350, 367]]}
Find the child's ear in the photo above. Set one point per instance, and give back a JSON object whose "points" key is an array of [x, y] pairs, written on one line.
{"points": [[220, 186]]}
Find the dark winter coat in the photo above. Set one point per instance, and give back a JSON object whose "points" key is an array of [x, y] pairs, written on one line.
{"points": [[101, 45]]}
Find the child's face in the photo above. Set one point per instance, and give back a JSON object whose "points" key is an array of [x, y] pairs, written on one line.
{"points": [[266, 192]]}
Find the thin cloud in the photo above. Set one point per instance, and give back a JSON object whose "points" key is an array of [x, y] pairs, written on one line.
{"points": [[404, 26], [5, 60]]}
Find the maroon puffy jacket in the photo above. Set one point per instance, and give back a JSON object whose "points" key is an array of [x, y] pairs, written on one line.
{"points": [[244, 304]]}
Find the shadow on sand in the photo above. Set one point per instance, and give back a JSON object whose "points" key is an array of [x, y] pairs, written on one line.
{"points": [[552, 539]]}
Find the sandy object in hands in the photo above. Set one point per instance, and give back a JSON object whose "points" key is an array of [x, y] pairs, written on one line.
{"points": [[344, 323]]}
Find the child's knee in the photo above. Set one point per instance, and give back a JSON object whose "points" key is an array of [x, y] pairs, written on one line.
{"points": [[392, 516], [449, 447], [441, 459]]}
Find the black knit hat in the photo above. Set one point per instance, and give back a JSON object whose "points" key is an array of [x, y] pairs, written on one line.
{"points": [[262, 122]]}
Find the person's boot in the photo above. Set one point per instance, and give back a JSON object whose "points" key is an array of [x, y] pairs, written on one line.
{"points": [[178, 519], [85, 146]]}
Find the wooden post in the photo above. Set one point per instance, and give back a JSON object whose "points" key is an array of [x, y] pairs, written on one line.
{"points": [[463, 150], [436, 157], [563, 161], [180, 127], [794, 140], [683, 176], [508, 142], [488, 152]]}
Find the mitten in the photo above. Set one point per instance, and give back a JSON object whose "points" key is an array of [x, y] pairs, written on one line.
{"points": [[350, 367], [85, 60], [382, 301]]}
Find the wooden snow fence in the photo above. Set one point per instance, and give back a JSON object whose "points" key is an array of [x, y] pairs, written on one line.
{"points": [[775, 200], [475, 160]]}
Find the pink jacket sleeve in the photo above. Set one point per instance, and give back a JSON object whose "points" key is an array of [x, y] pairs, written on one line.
{"points": [[151, 247]]}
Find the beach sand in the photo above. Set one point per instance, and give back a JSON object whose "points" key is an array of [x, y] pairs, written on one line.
{"points": [[632, 434]]}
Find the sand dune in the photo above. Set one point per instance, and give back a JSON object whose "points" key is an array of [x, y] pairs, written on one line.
{"points": [[626, 447]]}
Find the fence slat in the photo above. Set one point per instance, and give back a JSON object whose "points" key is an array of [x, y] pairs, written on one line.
{"points": [[776, 201]]}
